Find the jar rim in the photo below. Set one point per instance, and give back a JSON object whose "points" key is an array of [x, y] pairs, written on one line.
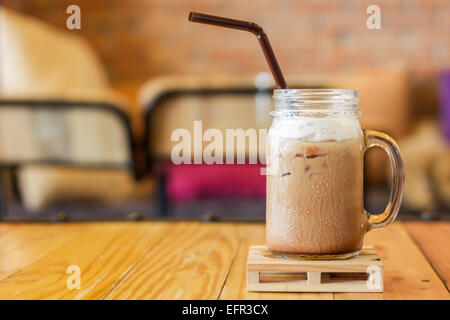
{"points": [[317, 114], [313, 94], [316, 100]]}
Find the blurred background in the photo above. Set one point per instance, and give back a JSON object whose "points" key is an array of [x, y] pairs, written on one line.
{"points": [[86, 115]]}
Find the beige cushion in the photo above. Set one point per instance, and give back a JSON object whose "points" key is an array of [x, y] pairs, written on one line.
{"points": [[38, 58], [39, 62], [44, 186]]}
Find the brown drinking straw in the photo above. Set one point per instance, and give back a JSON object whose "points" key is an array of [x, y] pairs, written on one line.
{"points": [[250, 27]]}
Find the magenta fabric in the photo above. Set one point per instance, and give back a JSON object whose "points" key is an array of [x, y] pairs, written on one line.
{"points": [[444, 102], [194, 181]]}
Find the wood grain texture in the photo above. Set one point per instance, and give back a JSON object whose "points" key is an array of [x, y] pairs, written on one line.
{"points": [[190, 262], [22, 245], [433, 238], [407, 273], [104, 253], [235, 286]]}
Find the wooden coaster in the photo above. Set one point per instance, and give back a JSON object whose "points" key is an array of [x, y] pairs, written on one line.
{"points": [[267, 272]]}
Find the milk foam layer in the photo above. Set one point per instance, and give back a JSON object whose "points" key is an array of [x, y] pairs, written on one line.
{"points": [[315, 129]]}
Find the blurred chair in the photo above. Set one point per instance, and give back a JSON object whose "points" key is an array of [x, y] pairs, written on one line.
{"points": [[66, 150], [63, 132], [221, 103]]}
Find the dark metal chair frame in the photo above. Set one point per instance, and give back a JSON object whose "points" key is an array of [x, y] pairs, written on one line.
{"points": [[155, 163]]}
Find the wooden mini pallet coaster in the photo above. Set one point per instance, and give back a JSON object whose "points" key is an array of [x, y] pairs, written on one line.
{"points": [[267, 272]]}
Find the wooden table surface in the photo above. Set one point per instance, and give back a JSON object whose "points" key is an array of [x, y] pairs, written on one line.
{"points": [[194, 260]]}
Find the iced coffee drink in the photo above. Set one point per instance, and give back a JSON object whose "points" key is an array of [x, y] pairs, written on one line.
{"points": [[315, 151], [314, 165]]}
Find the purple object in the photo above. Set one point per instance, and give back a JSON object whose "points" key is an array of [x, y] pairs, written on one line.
{"points": [[444, 103]]}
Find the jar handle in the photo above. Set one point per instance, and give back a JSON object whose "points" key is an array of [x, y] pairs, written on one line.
{"points": [[378, 139]]}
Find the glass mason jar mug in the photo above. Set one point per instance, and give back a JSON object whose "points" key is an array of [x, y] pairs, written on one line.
{"points": [[315, 155]]}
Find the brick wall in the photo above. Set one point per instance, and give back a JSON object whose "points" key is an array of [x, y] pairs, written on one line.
{"points": [[137, 39]]}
